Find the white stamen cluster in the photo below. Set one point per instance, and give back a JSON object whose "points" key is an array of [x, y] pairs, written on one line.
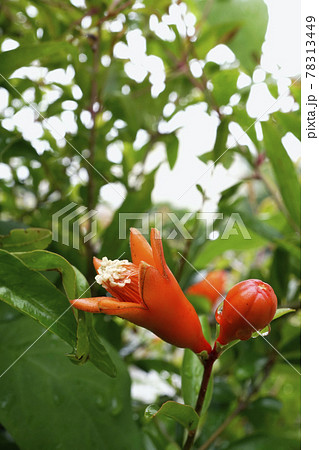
{"points": [[113, 272]]}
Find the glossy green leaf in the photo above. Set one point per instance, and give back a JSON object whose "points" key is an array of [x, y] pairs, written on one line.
{"points": [[60, 405], [183, 414], [89, 346], [23, 240], [282, 312], [43, 260], [284, 170], [32, 294], [98, 354], [88, 343]]}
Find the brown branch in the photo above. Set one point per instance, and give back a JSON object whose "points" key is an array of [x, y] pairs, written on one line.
{"points": [[208, 366], [114, 12]]}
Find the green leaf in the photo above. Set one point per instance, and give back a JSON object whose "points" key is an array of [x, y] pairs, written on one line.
{"points": [[98, 355], [81, 284], [289, 122], [241, 116], [212, 249], [201, 190], [60, 405], [221, 138], [282, 312], [89, 346], [18, 147], [240, 24], [220, 149], [262, 227], [201, 304], [225, 85], [284, 170], [42, 260], [171, 142], [23, 240], [32, 294], [82, 348], [183, 414], [279, 313], [24, 55], [280, 272]]}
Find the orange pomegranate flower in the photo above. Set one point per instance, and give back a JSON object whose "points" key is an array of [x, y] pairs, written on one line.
{"points": [[212, 287], [146, 293]]}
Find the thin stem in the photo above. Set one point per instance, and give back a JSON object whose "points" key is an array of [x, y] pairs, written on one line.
{"points": [[113, 11], [223, 426], [208, 366], [242, 404]]}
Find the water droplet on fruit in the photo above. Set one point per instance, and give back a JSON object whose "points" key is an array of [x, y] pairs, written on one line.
{"points": [[266, 332], [219, 312], [263, 332]]}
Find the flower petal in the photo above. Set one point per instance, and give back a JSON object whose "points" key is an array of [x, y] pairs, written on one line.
{"points": [[97, 262], [170, 315], [108, 305], [140, 248], [158, 253]]}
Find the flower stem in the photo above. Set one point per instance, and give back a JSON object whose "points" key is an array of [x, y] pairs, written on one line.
{"points": [[208, 366]]}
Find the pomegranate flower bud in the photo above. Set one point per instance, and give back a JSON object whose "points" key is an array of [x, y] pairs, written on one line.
{"points": [[146, 293], [212, 287], [249, 307]]}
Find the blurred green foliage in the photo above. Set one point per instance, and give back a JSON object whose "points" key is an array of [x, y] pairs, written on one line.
{"points": [[47, 402]]}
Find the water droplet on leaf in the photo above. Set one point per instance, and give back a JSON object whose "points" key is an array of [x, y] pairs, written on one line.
{"points": [[101, 402], [116, 406]]}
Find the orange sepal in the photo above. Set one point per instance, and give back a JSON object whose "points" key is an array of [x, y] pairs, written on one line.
{"points": [[108, 305], [140, 248], [171, 316]]}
